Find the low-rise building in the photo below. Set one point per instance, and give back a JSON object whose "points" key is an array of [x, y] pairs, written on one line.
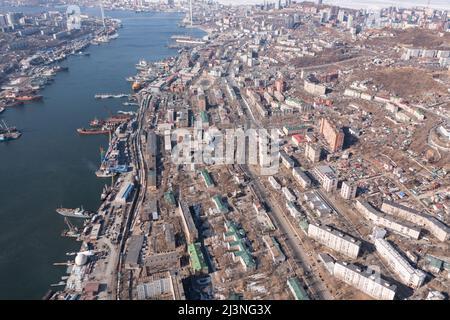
{"points": [[189, 228], [381, 219], [275, 184], [237, 244], [288, 194], [366, 281], [326, 177], [301, 177], [430, 223], [198, 263], [406, 273], [274, 249], [335, 239], [286, 160], [297, 289]]}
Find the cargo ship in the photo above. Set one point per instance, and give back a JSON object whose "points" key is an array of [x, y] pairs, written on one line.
{"points": [[104, 173], [75, 213], [130, 104], [119, 118], [109, 96], [142, 65], [28, 98], [92, 131]]}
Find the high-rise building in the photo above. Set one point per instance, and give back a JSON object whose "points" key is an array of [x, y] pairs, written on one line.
{"points": [[13, 18], [312, 152], [350, 21], [348, 190], [341, 16], [333, 135], [324, 16], [279, 85], [201, 102], [278, 5], [3, 21], [290, 22]]}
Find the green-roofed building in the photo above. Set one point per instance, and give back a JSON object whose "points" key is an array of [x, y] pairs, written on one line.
{"points": [[297, 289], [303, 224], [435, 264], [446, 266], [170, 198], [290, 130], [198, 262], [204, 117], [293, 102], [219, 204], [236, 296], [207, 178], [235, 238]]}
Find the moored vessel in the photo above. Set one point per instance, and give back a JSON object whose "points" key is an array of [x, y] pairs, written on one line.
{"points": [[92, 131], [74, 213], [28, 98]]}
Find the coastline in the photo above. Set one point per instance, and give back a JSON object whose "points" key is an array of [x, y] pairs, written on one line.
{"points": [[105, 204]]}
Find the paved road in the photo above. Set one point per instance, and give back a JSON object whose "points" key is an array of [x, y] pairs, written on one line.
{"points": [[293, 239]]}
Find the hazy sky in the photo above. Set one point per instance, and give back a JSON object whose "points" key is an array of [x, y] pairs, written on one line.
{"points": [[445, 4]]}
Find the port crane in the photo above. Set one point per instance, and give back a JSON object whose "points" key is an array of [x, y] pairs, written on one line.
{"points": [[103, 14], [72, 231], [5, 127]]}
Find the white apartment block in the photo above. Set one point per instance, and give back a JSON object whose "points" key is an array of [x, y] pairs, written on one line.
{"points": [[366, 281], [330, 182], [286, 160], [275, 184], [430, 223], [301, 177], [326, 177], [312, 153], [274, 249], [348, 190], [334, 239], [288, 194], [406, 273], [383, 220]]}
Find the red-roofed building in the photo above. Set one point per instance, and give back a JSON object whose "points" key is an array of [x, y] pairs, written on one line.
{"points": [[298, 139]]}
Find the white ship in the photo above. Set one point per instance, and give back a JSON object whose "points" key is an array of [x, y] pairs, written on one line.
{"points": [[142, 65], [74, 213]]}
